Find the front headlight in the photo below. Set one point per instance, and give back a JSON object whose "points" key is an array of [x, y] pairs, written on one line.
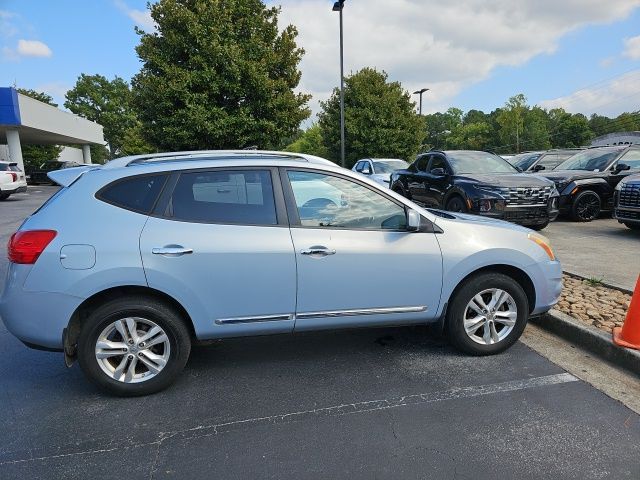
{"points": [[489, 189], [544, 243], [560, 186]]}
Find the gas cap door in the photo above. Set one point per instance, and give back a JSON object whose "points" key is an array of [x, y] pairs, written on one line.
{"points": [[78, 257]]}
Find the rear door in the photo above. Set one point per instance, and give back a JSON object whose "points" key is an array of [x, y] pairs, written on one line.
{"points": [[357, 263], [436, 183], [417, 181], [220, 244]]}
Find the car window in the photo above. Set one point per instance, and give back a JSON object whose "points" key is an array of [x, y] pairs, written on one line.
{"points": [[389, 166], [631, 158], [594, 160], [4, 167], [326, 201], [359, 166], [524, 160], [421, 163], [14, 168], [225, 196], [478, 162], [438, 162], [134, 193], [553, 160]]}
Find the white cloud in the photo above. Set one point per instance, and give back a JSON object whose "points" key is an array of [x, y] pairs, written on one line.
{"points": [[609, 98], [142, 18], [443, 45], [632, 48], [7, 28], [33, 48]]}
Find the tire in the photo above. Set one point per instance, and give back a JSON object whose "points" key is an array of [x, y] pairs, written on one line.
{"points": [[479, 342], [4, 196], [173, 348], [586, 206], [633, 226], [539, 227], [400, 191], [456, 204]]}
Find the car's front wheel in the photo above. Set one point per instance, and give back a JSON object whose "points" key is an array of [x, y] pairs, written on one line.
{"points": [[487, 314], [586, 206], [456, 204], [133, 346], [540, 226], [4, 196]]}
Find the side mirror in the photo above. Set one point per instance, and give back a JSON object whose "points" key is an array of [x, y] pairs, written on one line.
{"points": [[537, 168], [439, 172], [621, 167], [413, 221]]}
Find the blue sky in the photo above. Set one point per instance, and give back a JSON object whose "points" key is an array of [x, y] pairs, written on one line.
{"points": [[473, 54]]}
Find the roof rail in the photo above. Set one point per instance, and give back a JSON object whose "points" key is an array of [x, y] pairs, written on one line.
{"points": [[202, 155]]}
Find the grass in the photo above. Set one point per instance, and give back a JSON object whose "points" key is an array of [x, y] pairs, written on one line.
{"points": [[594, 282]]}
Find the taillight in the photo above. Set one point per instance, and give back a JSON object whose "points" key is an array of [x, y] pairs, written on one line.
{"points": [[26, 246], [14, 176]]}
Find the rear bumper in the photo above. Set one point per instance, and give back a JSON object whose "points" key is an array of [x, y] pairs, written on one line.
{"points": [[13, 188], [36, 318]]}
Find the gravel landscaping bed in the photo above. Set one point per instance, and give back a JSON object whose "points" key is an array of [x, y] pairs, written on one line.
{"points": [[593, 304]]}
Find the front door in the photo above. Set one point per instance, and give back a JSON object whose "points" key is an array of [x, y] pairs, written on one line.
{"points": [[223, 250], [357, 263], [417, 181]]}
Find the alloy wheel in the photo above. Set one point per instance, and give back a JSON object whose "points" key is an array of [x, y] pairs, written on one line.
{"points": [[132, 350], [490, 316], [588, 207]]}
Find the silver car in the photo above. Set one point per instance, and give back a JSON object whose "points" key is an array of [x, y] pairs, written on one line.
{"points": [[379, 169], [170, 249]]}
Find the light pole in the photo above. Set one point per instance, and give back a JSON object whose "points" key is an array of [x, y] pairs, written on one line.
{"points": [[337, 7], [421, 91]]}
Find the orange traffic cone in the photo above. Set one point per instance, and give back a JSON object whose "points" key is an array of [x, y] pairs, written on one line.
{"points": [[629, 334]]}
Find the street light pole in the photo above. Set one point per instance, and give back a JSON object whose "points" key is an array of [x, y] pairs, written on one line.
{"points": [[337, 7], [421, 91]]}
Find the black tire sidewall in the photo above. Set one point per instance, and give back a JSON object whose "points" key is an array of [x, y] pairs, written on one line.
{"points": [[576, 201], [464, 294], [456, 198], [542, 226], [155, 310]]}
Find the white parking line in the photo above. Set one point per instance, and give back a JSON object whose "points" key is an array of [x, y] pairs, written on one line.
{"points": [[345, 409]]}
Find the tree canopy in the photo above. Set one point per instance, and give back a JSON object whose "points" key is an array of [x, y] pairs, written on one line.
{"points": [[218, 75], [104, 101], [380, 119]]}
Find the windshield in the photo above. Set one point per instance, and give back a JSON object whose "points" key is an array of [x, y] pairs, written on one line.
{"points": [[593, 160], [478, 162], [524, 160], [389, 166]]}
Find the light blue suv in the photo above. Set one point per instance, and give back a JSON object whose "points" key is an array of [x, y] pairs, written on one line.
{"points": [[132, 262]]}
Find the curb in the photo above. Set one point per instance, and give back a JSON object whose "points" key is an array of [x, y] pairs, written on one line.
{"points": [[604, 284], [589, 338]]}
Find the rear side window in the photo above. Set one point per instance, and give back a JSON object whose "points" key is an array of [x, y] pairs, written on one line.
{"points": [[225, 196], [135, 193]]}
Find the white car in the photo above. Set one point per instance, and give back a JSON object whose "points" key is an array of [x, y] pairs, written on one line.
{"points": [[379, 169], [12, 180]]}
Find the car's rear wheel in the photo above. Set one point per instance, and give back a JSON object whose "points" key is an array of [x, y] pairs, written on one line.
{"points": [[4, 196], [487, 314], [456, 204], [133, 346], [586, 206]]}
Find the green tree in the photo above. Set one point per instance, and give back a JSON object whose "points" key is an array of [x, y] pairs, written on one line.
{"points": [[218, 74], [36, 155], [380, 119], [535, 135], [104, 101], [511, 121], [134, 143], [568, 130], [310, 142], [471, 136], [440, 126]]}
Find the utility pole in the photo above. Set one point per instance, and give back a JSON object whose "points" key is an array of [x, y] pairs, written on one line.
{"points": [[337, 7]]}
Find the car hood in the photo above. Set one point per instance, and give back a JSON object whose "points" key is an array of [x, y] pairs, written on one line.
{"points": [[475, 219], [571, 175], [384, 177], [506, 180]]}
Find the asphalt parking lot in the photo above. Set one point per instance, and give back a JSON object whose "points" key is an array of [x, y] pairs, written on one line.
{"points": [[386, 403]]}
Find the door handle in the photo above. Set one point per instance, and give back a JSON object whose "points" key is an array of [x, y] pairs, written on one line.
{"points": [[172, 251], [318, 251]]}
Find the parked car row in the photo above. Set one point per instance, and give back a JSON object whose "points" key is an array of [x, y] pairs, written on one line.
{"points": [[577, 183], [39, 175]]}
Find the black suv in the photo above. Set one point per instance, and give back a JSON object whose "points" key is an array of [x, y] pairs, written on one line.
{"points": [[586, 181], [480, 183], [547, 160], [627, 202]]}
